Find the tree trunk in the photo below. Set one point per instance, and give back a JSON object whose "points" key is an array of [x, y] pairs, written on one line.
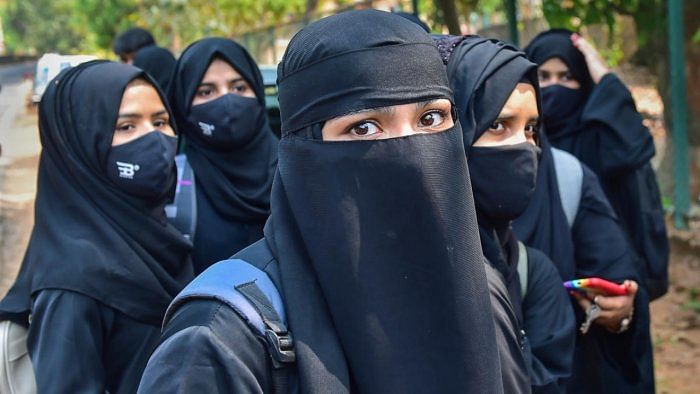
{"points": [[450, 16]]}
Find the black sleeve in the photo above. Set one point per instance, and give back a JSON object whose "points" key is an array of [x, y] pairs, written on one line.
{"points": [[602, 249], [508, 338], [621, 141], [550, 325], [65, 342], [207, 348]]}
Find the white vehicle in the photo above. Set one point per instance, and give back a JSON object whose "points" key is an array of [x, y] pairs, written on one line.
{"points": [[49, 65]]}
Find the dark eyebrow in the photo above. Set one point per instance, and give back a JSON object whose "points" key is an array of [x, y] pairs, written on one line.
{"points": [[423, 104], [129, 115], [505, 116], [237, 80], [159, 113], [383, 110], [207, 84]]}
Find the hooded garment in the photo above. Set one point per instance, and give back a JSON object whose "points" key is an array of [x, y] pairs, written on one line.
{"points": [[376, 240], [232, 185], [595, 244], [158, 62], [95, 239], [483, 73], [607, 134]]}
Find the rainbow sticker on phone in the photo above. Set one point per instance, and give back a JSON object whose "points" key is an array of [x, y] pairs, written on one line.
{"points": [[596, 285]]}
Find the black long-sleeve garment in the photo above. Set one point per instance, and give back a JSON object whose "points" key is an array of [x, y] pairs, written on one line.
{"points": [[603, 361], [206, 347], [614, 143], [618, 148], [80, 345]]}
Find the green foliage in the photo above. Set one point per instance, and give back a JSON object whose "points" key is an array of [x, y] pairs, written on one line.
{"points": [[649, 15], [70, 26]]}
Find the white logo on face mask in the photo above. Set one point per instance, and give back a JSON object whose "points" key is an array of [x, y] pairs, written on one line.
{"points": [[206, 128], [127, 170]]}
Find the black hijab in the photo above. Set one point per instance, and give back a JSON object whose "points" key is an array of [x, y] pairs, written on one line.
{"points": [[89, 236], [562, 106], [376, 240], [237, 182], [158, 62], [483, 73]]}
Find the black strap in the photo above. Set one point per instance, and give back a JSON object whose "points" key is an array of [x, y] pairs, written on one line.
{"points": [[278, 339]]}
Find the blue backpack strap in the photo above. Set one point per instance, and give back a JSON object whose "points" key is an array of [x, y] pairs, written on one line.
{"points": [[252, 295], [570, 182], [182, 213]]}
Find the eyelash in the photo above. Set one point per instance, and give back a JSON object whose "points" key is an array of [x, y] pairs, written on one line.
{"points": [[130, 127], [439, 112], [533, 128]]}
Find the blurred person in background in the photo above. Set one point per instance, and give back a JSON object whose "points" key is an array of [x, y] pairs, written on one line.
{"points": [[131, 41], [230, 153]]}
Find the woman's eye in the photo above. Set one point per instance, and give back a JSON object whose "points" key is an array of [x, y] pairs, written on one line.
{"points": [[567, 77], [497, 127], [432, 119], [532, 129], [364, 129], [204, 92], [241, 88], [543, 76], [160, 123], [126, 127]]}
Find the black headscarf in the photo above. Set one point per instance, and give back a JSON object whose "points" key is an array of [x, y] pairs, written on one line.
{"points": [[158, 62], [562, 106], [237, 182], [483, 73], [89, 236], [376, 240]]}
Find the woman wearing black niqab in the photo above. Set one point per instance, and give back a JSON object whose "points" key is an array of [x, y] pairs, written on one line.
{"points": [[158, 62], [589, 113], [497, 96], [372, 241], [102, 263], [219, 104]]}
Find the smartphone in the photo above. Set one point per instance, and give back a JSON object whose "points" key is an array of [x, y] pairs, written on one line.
{"points": [[596, 285]]}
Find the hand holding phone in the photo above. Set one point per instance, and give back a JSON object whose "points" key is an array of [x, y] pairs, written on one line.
{"points": [[596, 286]]}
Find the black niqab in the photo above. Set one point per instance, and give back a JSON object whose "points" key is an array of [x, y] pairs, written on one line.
{"points": [[237, 181], [483, 73], [382, 273], [89, 236], [158, 62]]}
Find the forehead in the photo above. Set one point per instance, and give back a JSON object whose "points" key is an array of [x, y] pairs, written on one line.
{"points": [[139, 93], [522, 100], [219, 68], [554, 64]]}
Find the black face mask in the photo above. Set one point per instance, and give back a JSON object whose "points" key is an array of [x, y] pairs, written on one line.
{"points": [[144, 167], [561, 106], [503, 179], [225, 123]]}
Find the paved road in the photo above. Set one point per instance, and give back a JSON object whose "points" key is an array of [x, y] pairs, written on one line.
{"points": [[18, 167]]}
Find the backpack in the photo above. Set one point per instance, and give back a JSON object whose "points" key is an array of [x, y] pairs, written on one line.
{"points": [[16, 370], [250, 292], [182, 213], [569, 181]]}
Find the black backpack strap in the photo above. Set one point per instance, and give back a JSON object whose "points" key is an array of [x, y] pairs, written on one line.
{"points": [[255, 298], [182, 213]]}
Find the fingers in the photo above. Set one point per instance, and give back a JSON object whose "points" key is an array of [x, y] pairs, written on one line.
{"points": [[615, 302], [583, 302]]}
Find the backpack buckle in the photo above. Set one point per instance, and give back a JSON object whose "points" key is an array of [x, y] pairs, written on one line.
{"points": [[281, 347]]}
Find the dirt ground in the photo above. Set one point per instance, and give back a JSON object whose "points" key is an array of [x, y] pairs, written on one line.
{"points": [[675, 317]]}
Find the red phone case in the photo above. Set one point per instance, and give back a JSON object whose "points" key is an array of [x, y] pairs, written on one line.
{"points": [[597, 285]]}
